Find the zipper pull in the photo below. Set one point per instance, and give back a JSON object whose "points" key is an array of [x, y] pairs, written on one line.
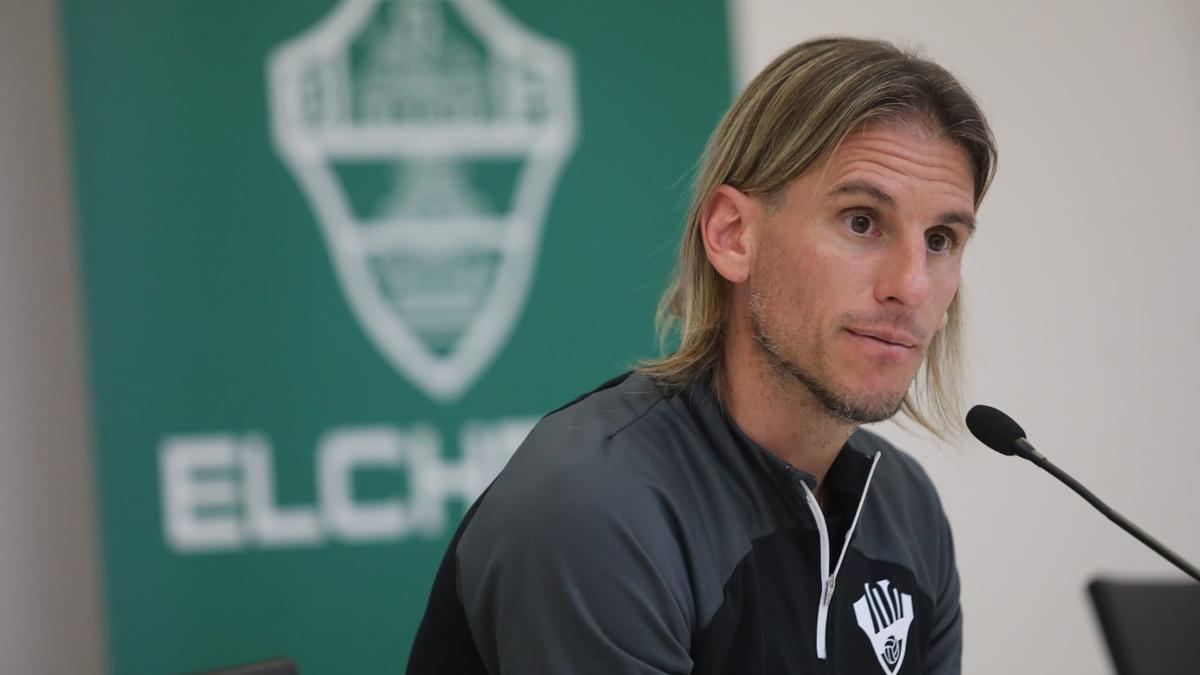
{"points": [[829, 583]]}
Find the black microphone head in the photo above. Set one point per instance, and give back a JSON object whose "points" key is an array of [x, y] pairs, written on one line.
{"points": [[995, 429]]}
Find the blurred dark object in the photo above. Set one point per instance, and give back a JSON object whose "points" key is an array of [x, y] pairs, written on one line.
{"points": [[280, 666], [1151, 627]]}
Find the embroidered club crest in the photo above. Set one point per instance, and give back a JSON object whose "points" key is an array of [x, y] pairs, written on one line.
{"points": [[427, 136], [884, 614]]}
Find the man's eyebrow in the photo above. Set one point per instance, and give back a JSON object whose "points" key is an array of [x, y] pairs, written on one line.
{"points": [[963, 218], [862, 187]]}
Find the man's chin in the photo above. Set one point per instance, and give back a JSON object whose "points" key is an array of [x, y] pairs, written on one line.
{"points": [[862, 412], [881, 401], [871, 413], [857, 408]]}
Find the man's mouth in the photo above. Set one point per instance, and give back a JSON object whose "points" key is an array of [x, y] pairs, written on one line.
{"points": [[886, 336]]}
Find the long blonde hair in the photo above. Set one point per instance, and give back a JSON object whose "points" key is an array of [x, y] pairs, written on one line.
{"points": [[793, 114]]}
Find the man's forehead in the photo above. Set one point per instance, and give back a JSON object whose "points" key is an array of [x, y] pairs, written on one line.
{"points": [[878, 160]]}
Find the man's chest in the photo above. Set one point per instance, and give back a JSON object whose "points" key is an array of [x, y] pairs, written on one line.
{"points": [[780, 615]]}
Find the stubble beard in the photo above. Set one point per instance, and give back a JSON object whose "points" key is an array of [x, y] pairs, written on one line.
{"points": [[839, 406]]}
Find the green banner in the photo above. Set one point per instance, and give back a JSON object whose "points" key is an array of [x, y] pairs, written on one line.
{"points": [[338, 258]]}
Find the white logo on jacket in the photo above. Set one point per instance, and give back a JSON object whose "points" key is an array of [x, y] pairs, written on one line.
{"points": [[884, 614]]}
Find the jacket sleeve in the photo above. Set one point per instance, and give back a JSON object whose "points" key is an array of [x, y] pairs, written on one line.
{"points": [[945, 642], [581, 574]]}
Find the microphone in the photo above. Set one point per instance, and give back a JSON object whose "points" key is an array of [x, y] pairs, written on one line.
{"points": [[1002, 434]]}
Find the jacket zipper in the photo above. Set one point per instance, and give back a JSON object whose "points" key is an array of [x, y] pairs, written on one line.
{"points": [[828, 579]]}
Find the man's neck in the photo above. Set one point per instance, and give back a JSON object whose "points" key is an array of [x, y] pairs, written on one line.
{"points": [[778, 412]]}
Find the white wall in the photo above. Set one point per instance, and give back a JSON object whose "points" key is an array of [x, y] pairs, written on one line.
{"points": [[1082, 286], [49, 589], [1081, 304]]}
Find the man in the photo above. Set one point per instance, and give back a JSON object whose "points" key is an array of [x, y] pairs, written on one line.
{"points": [[717, 511]]}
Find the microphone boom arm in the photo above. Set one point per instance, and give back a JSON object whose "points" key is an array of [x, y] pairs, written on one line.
{"points": [[1025, 449]]}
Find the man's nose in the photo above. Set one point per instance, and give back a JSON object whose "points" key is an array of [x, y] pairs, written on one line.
{"points": [[903, 274]]}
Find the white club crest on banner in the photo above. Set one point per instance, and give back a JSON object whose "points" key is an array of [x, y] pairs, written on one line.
{"points": [[437, 268]]}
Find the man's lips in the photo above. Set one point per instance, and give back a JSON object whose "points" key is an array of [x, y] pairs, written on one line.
{"points": [[887, 336]]}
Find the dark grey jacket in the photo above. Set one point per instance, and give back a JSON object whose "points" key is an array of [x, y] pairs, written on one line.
{"points": [[640, 532]]}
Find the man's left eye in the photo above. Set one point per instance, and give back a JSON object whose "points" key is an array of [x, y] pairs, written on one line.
{"points": [[939, 242]]}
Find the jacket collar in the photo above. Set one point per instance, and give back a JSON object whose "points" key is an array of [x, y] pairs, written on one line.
{"points": [[844, 482]]}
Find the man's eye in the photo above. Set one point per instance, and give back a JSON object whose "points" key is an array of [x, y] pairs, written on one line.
{"points": [[939, 242], [860, 223]]}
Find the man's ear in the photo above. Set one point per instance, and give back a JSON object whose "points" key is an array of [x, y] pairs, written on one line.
{"points": [[727, 227]]}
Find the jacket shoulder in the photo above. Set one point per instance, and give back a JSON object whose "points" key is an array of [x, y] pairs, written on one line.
{"points": [[578, 510]]}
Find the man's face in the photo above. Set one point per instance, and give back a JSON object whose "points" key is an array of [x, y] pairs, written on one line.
{"points": [[856, 265]]}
